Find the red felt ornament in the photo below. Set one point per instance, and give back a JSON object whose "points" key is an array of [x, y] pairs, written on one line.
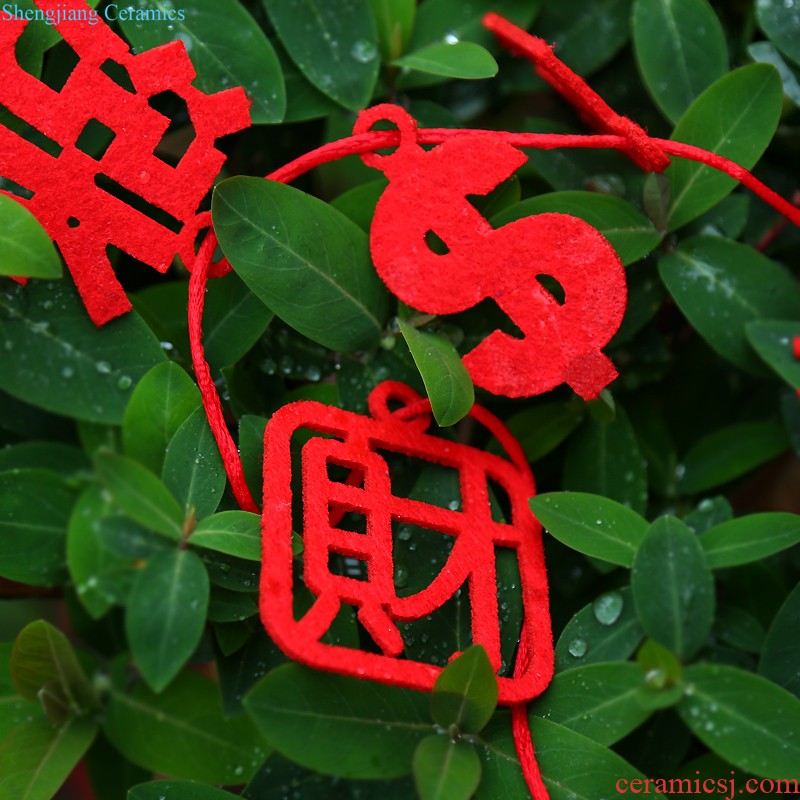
{"points": [[353, 441], [76, 197], [427, 193]]}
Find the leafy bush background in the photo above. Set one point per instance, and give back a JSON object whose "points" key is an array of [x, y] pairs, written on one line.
{"points": [[678, 642]]}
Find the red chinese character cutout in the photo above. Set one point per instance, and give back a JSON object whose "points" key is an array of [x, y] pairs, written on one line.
{"points": [[427, 193], [352, 441], [67, 199]]}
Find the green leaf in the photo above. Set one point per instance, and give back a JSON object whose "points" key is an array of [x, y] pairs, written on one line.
{"points": [[335, 47], [750, 538], [603, 458], [43, 658], [738, 628], [227, 49], [630, 233], [465, 693], [35, 507], [303, 259], [735, 117], [140, 494], [237, 533], [160, 404], [749, 721], [559, 751], [302, 711], [394, 20], [662, 672], [37, 757], [780, 657], [780, 23], [13, 709], [673, 588], [586, 33], [463, 60], [772, 341], [446, 379], [193, 469], [25, 248], [587, 640], [767, 53], [233, 321], [709, 512], [721, 285], [680, 50], [231, 606], [146, 728], [52, 456], [542, 428], [99, 575], [166, 614], [591, 524], [445, 769], [178, 790], [56, 358], [730, 453], [598, 701]]}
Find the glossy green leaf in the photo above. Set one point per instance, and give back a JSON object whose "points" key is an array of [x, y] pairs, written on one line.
{"points": [[123, 537], [166, 614], [603, 458], [587, 640], [710, 512], [749, 721], [591, 524], [56, 358], [178, 790], [25, 248], [730, 453], [100, 576], [37, 757], [542, 428], [303, 259], [586, 33], [572, 765], [767, 53], [738, 628], [599, 700], [35, 506], [446, 379], [630, 233], [750, 538], [301, 711], [193, 469], [680, 50], [464, 60], [140, 494], [735, 117], [43, 658], [673, 588], [303, 100], [778, 19], [160, 404], [52, 456], [394, 20], [182, 732], [465, 693], [453, 20], [14, 710], [227, 49], [721, 285], [661, 670], [233, 321], [237, 533], [773, 342], [335, 47], [445, 769], [226, 605], [780, 657]]}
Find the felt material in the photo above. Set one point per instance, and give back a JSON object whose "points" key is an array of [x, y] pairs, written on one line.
{"points": [[427, 193], [80, 216], [354, 445], [593, 109]]}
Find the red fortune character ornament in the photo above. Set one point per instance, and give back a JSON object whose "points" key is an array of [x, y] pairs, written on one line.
{"points": [[76, 197]]}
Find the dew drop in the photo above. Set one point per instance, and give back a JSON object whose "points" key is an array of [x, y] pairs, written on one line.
{"points": [[607, 608], [67, 372], [578, 648], [363, 51], [103, 367], [124, 382]]}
